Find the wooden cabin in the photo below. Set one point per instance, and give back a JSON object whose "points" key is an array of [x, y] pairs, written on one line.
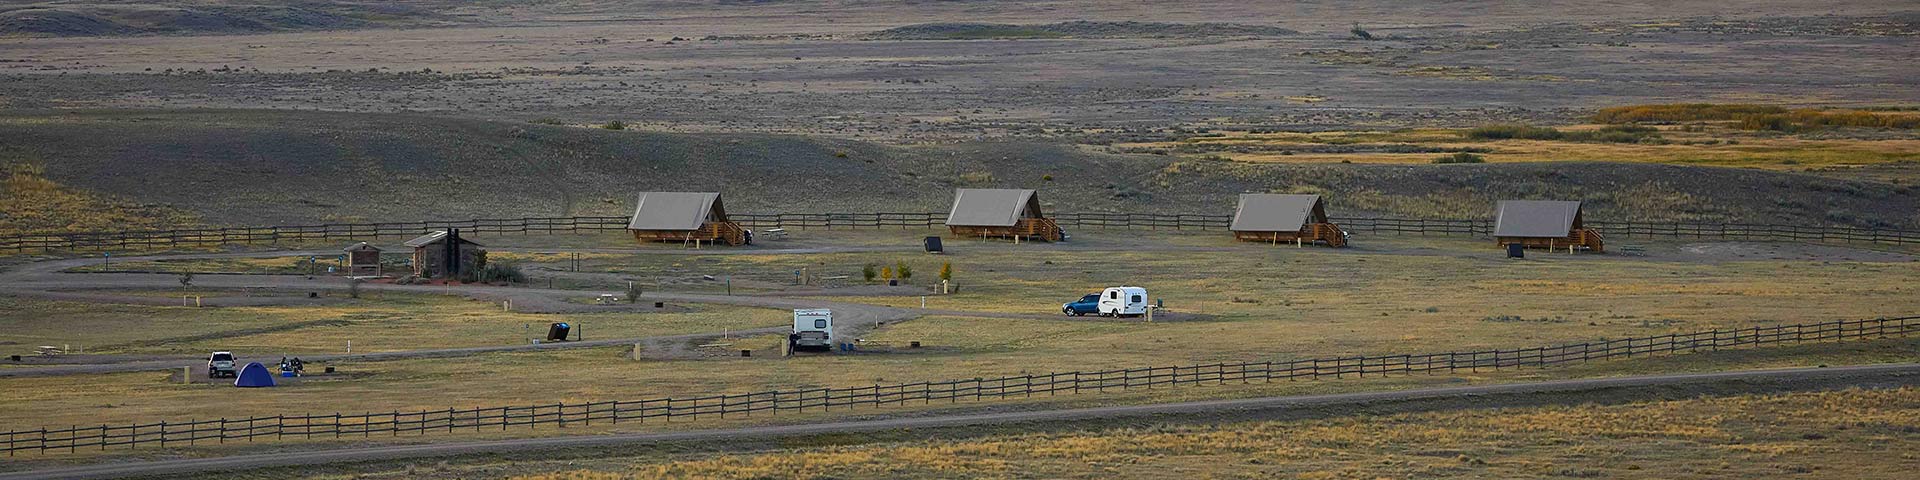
{"points": [[446, 254], [1547, 224], [685, 217], [1276, 218], [363, 259], [1000, 212]]}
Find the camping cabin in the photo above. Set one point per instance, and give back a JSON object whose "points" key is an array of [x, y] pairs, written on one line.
{"points": [[432, 252], [1000, 212], [1276, 218], [685, 217], [363, 259], [1544, 224]]}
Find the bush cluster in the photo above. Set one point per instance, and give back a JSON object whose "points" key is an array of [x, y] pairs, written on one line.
{"points": [[1462, 157], [1607, 134], [1682, 112]]}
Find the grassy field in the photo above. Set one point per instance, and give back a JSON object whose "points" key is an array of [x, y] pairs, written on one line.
{"points": [[31, 203], [1710, 146], [1833, 434], [377, 322], [423, 384], [1233, 301]]}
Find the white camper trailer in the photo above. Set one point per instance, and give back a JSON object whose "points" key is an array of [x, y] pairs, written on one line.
{"points": [[1123, 302], [812, 329]]}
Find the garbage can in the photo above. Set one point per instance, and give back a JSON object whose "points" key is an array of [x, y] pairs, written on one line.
{"points": [[558, 332], [933, 245], [1515, 250]]}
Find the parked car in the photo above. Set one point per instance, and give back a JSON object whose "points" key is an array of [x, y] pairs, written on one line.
{"points": [[220, 364], [1083, 306], [1112, 302]]}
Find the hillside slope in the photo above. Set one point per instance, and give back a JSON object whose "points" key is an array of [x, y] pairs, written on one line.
{"points": [[267, 167]]}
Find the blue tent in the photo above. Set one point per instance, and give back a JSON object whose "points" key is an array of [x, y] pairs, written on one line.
{"points": [[254, 375]]}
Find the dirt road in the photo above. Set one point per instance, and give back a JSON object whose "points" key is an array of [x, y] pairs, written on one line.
{"points": [[1481, 396]]}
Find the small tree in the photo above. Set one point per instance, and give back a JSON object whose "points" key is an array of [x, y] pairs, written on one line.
{"points": [[186, 279], [903, 270], [869, 272], [946, 271], [353, 287], [633, 292], [886, 273], [1360, 33]]}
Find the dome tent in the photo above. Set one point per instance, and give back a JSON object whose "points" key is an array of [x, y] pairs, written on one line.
{"points": [[254, 375]]}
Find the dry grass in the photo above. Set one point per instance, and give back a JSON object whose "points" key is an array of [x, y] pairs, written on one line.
{"points": [[1388, 296], [1838, 434], [377, 322], [1715, 146], [30, 203]]}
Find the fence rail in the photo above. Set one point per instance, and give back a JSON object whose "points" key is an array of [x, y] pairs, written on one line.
{"points": [[164, 239], [396, 423]]}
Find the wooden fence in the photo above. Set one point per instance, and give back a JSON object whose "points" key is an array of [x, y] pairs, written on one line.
{"points": [[391, 424], [167, 239]]}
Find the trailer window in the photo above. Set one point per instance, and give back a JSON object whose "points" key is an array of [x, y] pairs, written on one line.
{"points": [[1136, 299], [1113, 295], [819, 323]]}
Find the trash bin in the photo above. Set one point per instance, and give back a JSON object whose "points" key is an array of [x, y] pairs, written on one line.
{"points": [[558, 332], [1515, 250], [933, 245]]}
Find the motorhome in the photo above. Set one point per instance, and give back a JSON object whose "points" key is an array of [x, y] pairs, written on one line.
{"points": [[812, 329]]}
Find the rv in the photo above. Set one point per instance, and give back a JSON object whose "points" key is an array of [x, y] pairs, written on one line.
{"points": [[1123, 302], [812, 329]]}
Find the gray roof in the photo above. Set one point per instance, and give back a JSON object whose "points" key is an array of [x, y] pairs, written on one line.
{"points": [[992, 207], [1270, 212], [434, 237], [674, 210], [361, 246], [1536, 218]]}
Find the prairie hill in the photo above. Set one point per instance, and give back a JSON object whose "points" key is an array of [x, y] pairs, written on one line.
{"points": [[277, 167]]}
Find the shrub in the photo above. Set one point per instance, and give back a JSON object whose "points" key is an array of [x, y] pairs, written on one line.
{"points": [[501, 272], [946, 271], [633, 292], [886, 273], [1503, 132], [615, 125], [869, 272], [1681, 112], [904, 271], [1462, 157]]}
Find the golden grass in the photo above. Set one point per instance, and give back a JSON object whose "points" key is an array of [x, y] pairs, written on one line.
{"points": [[1836, 434], [1708, 148], [30, 203]]}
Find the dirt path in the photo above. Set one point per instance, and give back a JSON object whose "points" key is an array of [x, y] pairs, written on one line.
{"points": [[1480, 396]]}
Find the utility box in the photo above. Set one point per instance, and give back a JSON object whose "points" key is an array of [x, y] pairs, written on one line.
{"points": [[812, 329]]}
